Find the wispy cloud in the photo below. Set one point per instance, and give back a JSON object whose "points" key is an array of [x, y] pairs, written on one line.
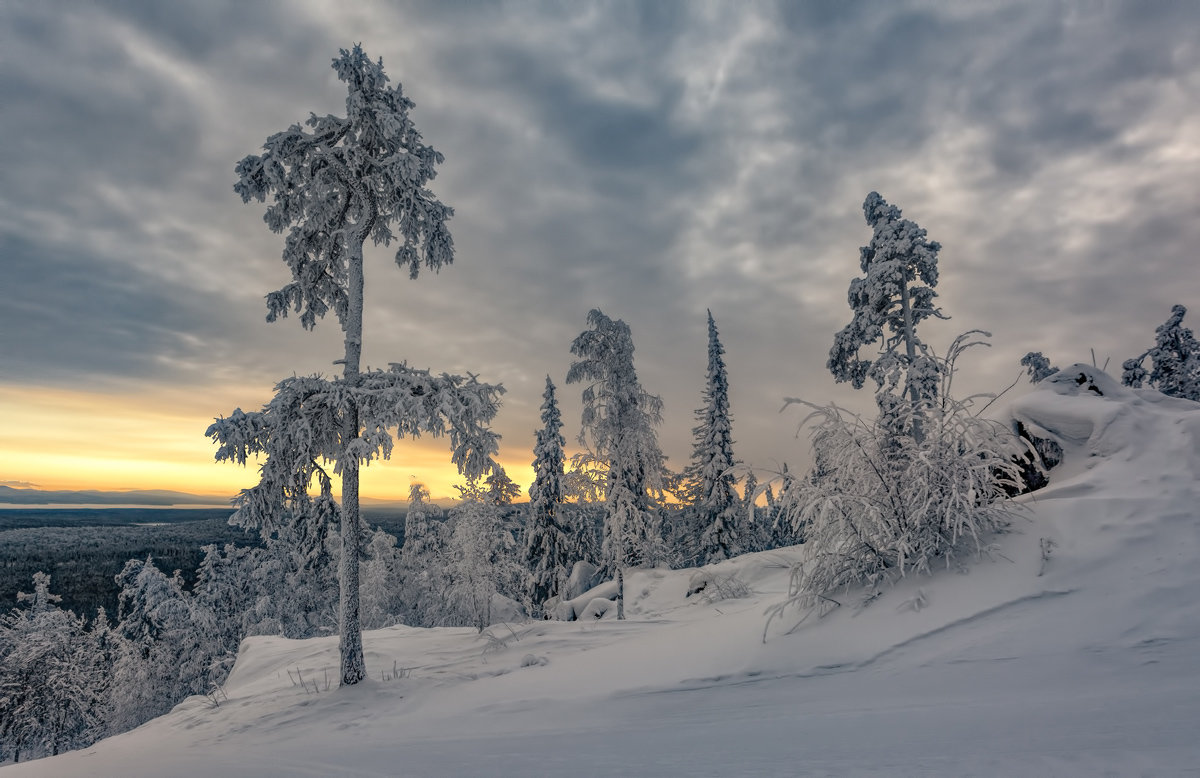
{"points": [[650, 159]]}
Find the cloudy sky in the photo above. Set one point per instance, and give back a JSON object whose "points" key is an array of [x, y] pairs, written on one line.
{"points": [[650, 159]]}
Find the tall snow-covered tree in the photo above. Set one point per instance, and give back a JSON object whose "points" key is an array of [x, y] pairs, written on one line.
{"points": [[549, 548], [619, 417], [1174, 360], [710, 473], [335, 185], [894, 295]]}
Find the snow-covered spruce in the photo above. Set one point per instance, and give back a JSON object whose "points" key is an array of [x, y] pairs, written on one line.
{"points": [[550, 545], [334, 186], [381, 582], [709, 477], [423, 560], [171, 643]]}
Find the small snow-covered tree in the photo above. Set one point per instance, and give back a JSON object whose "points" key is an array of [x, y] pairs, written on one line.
{"points": [[884, 506], [226, 588], [1174, 360], [1038, 366], [170, 644], [417, 529], [894, 295], [334, 186], [619, 417], [51, 694], [710, 478], [423, 560], [500, 489], [381, 581], [781, 530], [549, 550], [480, 559]]}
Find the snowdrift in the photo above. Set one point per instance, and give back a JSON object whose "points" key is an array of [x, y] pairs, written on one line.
{"points": [[1072, 648]]}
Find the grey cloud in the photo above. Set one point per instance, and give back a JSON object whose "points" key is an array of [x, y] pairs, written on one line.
{"points": [[650, 159], [68, 320]]}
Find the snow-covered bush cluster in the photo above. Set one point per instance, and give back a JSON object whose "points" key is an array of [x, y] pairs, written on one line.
{"points": [[878, 505]]}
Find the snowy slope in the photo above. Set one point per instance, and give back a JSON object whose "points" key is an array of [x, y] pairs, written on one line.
{"points": [[1085, 663]]}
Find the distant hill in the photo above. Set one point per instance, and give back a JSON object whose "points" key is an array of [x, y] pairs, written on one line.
{"points": [[15, 496]]}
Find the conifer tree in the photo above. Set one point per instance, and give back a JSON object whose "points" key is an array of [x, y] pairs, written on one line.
{"points": [[548, 540], [501, 490], [710, 477], [334, 186], [894, 295], [619, 417], [1174, 360]]}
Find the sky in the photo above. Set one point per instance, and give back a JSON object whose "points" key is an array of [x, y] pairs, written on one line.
{"points": [[653, 160]]}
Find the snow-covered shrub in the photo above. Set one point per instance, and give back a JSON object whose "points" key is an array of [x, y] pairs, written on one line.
{"points": [[878, 504], [532, 660], [711, 586], [1174, 360]]}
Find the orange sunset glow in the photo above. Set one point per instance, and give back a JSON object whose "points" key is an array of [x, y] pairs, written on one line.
{"points": [[57, 439]]}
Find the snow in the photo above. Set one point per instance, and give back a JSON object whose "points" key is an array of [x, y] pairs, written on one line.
{"points": [[1085, 661]]}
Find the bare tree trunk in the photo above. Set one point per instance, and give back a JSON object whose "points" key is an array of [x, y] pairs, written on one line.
{"points": [[349, 626], [620, 593], [910, 348]]}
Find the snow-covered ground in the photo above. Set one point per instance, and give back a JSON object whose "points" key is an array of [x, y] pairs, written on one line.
{"points": [[1083, 663]]}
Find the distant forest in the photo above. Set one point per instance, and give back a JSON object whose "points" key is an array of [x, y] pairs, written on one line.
{"points": [[83, 549]]}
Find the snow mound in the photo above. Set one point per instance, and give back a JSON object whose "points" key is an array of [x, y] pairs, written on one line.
{"points": [[1085, 409], [1072, 647]]}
